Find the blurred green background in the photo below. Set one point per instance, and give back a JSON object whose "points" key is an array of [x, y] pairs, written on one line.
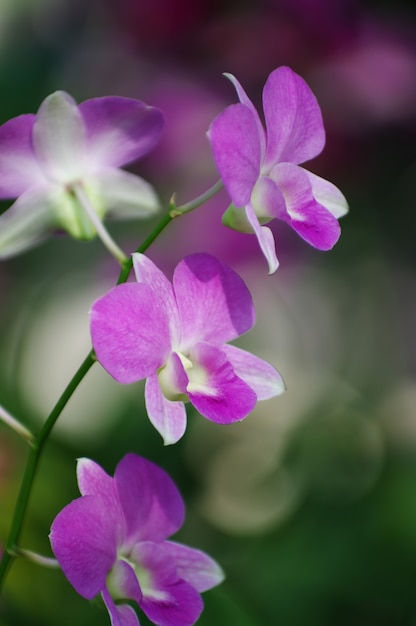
{"points": [[310, 503]]}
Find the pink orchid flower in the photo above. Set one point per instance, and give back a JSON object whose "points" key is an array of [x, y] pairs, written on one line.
{"points": [[260, 169], [175, 336], [113, 541]]}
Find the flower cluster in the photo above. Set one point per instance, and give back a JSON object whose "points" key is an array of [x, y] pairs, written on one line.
{"points": [[62, 166], [113, 541]]}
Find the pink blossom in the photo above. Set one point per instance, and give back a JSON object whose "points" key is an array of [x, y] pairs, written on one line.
{"points": [[175, 336], [261, 170]]}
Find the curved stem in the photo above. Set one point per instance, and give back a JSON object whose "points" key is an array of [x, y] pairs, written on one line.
{"points": [[15, 425]]}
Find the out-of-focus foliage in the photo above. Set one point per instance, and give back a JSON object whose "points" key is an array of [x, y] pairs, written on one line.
{"points": [[309, 504]]}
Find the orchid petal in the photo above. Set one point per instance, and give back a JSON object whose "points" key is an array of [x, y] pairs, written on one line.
{"points": [[120, 614], [120, 130], [125, 195], [258, 374], [295, 130], [129, 330], [152, 505], [215, 391], [328, 195], [28, 221], [194, 566], [147, 273], [19, 169], [265, 238], [306, 216], [84, 544], [244, 99], [213, 301], [169, 418], [59, 138], [94, 481], [169, 600], [236, 147]]}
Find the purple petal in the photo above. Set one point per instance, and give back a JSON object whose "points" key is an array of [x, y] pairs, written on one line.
{"points": [[169, 418], [236, 146], [94, 481], [265, 238], [213, 301], [168, 600], [215, 390], [295, 130], [28, 221], [244, 99], [120, 130], [148, 273], [306, 216], [152, 505], [328, 195], [258, 374], [120, 614], [19, 169], [129, 330], [59, 139], [85, 544], [124, 195], [194, 566]]}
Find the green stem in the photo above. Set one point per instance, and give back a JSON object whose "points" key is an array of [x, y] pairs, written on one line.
{"points": [[15, 425], [11, 549]]}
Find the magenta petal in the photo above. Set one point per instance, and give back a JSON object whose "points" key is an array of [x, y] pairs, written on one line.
{"points": [[216, 392], [85, 544], [152, 505], [120, 614], [94, 481], [244, 99], [149, 274], [168, 600], [295, 130], [19, 169], [183, 610], [194, 566], [236, 147], [305, 215], [168, 417], [120, 130], [258, 374], [213, 301], [129, 330]]}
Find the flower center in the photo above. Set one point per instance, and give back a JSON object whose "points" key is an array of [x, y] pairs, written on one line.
{"points": [[180, 376]]}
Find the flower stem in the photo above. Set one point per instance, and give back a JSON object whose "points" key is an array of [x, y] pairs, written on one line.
{"points": [[194, 204], [46, 561], [15, 425], [102, 232], [37, 442]]}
